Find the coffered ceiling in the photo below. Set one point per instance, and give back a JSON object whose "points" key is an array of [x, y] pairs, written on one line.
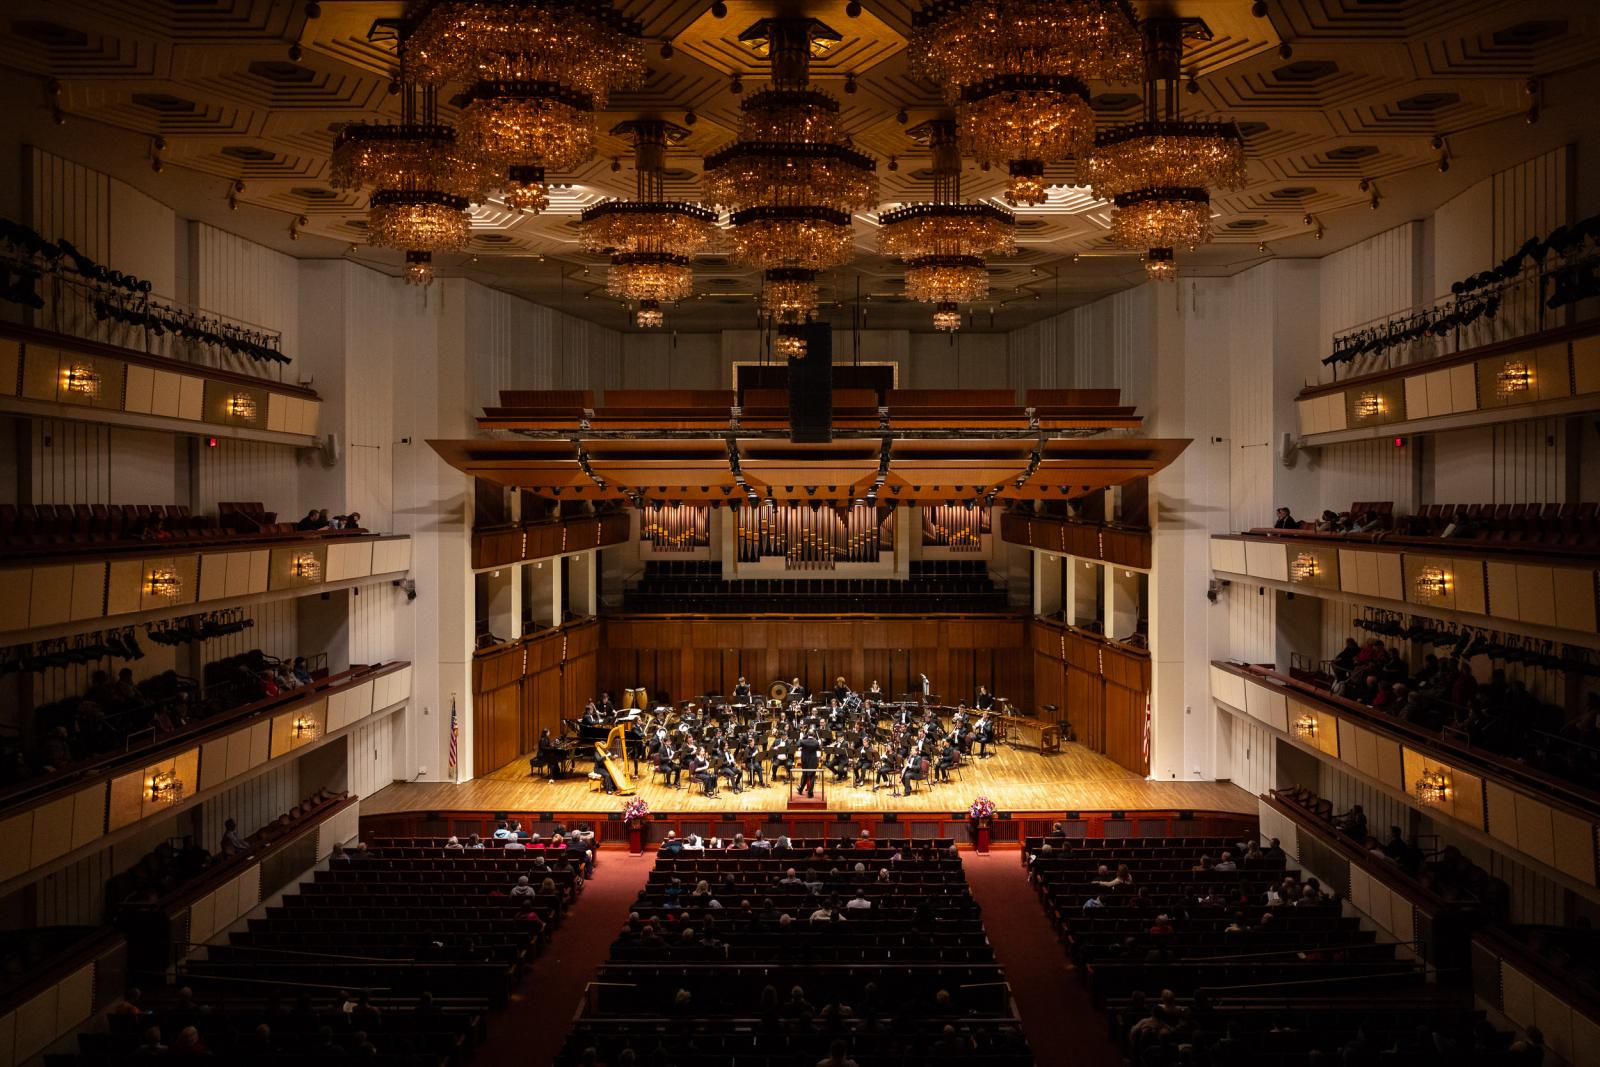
{"points": [[1337, 99]]}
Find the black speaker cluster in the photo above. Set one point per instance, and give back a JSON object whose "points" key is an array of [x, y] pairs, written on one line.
{"points": [[41, 656], [117, 296]]}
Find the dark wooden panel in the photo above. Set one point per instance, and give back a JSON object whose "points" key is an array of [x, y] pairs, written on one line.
{"points": [[1124, 724]]}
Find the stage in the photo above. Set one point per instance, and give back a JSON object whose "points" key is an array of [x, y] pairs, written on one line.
{"points": [[1016, 779]]}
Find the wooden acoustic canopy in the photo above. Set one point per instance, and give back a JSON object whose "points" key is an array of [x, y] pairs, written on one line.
{"points": [[918, 447]]}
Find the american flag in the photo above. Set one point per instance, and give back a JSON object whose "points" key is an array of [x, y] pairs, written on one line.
{"points": [[1146, 746], [454, 731]]}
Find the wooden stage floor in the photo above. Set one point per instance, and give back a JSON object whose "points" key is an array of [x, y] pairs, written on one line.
{"points": [[1015, 779]]}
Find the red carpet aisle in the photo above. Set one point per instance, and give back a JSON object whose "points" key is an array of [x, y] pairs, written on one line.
{"points": [[534, 1025], [1062, 1026]]}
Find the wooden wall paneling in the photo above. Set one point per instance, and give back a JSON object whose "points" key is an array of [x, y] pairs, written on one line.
{"points": [[1124, 718]]}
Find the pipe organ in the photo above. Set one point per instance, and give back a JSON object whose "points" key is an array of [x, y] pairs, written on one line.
{"points": [[815, 537]]}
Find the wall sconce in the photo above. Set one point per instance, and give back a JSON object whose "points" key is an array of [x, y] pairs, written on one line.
{"points": [[241, 406], [305, 728], [1369, 405], [1432, 582], [306, 567], [166, 787], [1434, 786], [1514, 377], [83, 379], [1304, 568], [164, 582], [1305, 726]]}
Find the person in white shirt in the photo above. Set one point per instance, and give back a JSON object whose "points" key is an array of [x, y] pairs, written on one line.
{"points": [[858, 903], [502, 831], [694, 843], [824, 914]]}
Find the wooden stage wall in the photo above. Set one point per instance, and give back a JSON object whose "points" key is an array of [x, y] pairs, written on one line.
{"points": [[1098, 686], [686, 658]]}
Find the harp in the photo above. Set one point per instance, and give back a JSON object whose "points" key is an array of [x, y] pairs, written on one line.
{"points": [[616, 765]]}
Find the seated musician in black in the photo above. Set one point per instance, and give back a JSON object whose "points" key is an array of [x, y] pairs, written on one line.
{"points": [[781, 759], [985, 699], [591, 715], [548, 757], [874, 691], [729, 769], [666, 761], [608, 783], [983, 733], [885, 770], [839, 760], [700, 770], [863, 765], [947, 759], [797, 691], [910, 773], [750, 756], [606, 708]]}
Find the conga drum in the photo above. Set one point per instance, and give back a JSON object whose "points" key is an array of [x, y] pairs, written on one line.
{"points": [[641, 697], [627, 699]]}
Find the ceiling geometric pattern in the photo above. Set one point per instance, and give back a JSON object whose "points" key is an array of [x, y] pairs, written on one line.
{"points": [[1359, 97]]}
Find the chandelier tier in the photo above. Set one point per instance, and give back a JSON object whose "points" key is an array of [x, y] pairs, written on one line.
{"points": [[944, 242], [788, 295], [421, 180], [791, 176], [525, 189], [1159, 173], [1017, 71], [1160, 265], [586, 45], [650, 239], [536, 73]]}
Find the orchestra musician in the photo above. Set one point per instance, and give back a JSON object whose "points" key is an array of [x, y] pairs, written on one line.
{"points": [[797, 692], [741, 691], [983, 734], [606, 708], [810, 760], [857, 737]]}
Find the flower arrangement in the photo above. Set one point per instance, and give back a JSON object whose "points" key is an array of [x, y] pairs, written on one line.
{"points": [[982, 808], [636, 808]]}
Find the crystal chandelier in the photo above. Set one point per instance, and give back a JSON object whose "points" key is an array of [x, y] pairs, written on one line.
{"points": [[947, 317], [1017, 71], [650, 239], [537, 72], [649, 315], [789, 342], [1433, 786], [944, 242], [791, 177], [1160, 265], [788, 295], [525, 189], [1159, 173], [421, 180]]}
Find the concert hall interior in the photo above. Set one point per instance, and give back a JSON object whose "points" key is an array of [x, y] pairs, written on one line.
{"points": [[789, 532]]}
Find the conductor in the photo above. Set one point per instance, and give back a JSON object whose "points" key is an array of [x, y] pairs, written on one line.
{"points": [[810, 760]]}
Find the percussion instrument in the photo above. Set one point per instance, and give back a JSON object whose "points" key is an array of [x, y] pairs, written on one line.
{"points": [[778, 691]]}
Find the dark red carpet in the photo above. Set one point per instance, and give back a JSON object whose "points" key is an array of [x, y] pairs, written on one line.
{"points": [[1062, 1026], [535, 1023]]}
